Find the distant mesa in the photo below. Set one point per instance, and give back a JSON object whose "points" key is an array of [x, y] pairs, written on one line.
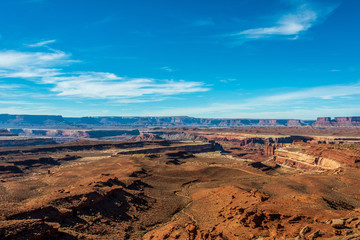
{"points": [[337, 122], [60, 122], [7, 120], [6, 133]]}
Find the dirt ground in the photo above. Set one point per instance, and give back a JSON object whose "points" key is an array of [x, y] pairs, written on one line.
{"points": [[234, 193]]}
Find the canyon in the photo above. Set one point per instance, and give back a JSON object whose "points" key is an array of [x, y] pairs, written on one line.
{"points": [[182, 183]]}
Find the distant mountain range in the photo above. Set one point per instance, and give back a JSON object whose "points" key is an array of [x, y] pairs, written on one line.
{"points": [[57, 121]]}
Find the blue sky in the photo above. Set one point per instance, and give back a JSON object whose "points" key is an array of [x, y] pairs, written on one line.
{"points": [[204, 58]]}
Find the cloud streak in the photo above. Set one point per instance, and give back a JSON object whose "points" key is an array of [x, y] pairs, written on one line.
{"points": [[99, 85], [168, 69], [45, 68], [290, 25], [41, 44], [17, 61]]}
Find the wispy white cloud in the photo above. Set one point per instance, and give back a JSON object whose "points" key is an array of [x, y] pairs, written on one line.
{"points": [[15, 60], [45, 68], [42, 43], [228, 80], [30, 65], [168, 69], [109, 86], [8, 86], [291, 24]]}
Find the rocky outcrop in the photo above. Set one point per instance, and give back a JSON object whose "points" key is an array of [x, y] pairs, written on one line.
{"points": [[116, 207], [146, 137], [269, 150], [299, 159], [30, 229], [347, 155]]}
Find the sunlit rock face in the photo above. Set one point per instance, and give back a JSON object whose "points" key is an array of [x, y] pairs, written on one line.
{"points": [[337, 122]]}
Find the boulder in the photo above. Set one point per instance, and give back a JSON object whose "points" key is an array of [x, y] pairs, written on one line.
{"points": [[338, 223]]}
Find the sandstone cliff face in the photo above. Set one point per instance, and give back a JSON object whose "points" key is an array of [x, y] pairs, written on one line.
{"points": [[303, 160], [347, 154]]}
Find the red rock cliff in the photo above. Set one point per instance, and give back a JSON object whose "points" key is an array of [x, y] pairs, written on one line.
{"points": [[337, 122]]}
